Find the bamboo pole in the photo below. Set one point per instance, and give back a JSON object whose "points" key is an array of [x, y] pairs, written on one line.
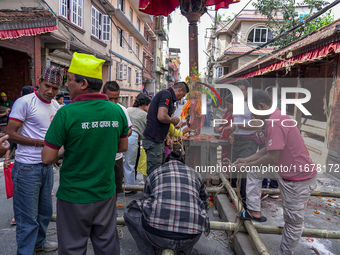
{"points": [[264, 229], [263, 191], [260, 247]]}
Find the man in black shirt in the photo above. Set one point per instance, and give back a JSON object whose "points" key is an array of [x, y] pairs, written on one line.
{"points": [[158, 123]]}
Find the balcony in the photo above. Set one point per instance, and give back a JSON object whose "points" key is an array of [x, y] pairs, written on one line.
{"points": [[130, 27], [162, 34]]}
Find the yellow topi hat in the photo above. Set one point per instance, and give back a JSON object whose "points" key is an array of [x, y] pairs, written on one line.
{"points": [[3, 94], [86, 65]]}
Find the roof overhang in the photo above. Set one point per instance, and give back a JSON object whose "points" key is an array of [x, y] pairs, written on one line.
{"points": [[26, 22], [129, 26], [108, 6]]}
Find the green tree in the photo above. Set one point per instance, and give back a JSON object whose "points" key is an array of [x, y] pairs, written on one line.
{"points": [[287, 8]]}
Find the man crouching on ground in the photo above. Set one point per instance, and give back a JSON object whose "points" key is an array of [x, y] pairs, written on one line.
{"points": [[91, 129], [173, 212]]}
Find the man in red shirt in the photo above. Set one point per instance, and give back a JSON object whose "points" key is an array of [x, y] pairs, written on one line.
{"points": [[285, 158]]}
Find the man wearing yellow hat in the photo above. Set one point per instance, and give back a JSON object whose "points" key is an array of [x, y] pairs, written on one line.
{"points": [[6, 103], [29, 120], [91, 129]]}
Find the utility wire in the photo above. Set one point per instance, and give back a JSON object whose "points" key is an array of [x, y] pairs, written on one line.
{"points": [[305, 21]]}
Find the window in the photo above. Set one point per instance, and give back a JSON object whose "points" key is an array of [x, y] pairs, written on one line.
{"points": [[131, 15], [101, 26], [137, 50], [119, 36], [129, 75], [72, 10], [221, 70], [159, 42], [158, 61], [121, 71], [138, 24], [121, 5], [138, 77], [130, 44], [260, 35], [125, 39]]}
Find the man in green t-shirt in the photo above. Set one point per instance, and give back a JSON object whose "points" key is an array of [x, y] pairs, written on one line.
{"points": [[6, 103], [91, 129]]}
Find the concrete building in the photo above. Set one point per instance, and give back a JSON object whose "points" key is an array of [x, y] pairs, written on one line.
{"points": [[127, 48], [149, 81], [74, 33], [247, 31], [174, 65], [311, 62]]}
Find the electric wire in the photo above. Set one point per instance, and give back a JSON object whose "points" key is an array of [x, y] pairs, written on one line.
{"points": [[303, 22]]}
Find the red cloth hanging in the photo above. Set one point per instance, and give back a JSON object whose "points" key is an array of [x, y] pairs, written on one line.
{"points": [[161, 7], [15, 33]]}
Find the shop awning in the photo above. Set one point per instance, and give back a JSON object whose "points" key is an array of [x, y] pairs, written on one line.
{"points": [[26, 22]]}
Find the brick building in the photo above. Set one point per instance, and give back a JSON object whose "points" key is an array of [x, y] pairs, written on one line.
{"points": [[20, 53], [313, 63]]}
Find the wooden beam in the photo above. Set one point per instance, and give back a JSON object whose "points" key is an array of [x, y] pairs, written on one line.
{"points": [[263, 191], [260, 247]]}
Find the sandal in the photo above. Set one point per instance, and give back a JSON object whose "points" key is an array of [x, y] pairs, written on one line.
{"points": [[13, 222], [246, 216]]}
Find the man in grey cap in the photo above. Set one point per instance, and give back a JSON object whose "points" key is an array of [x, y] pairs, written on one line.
{"points": [[29, 120]]}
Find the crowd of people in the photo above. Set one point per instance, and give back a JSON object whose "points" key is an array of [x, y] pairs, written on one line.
{"points": [[99, 140]]}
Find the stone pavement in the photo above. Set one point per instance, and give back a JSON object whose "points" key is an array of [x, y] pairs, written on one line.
{"points": [[214, 244]]}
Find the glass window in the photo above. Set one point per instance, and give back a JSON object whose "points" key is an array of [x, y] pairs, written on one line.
{"points": [[130, 43], [137, 50], [138, 24], [101, 25], [260, 35], [72, 10], [131, 15], [129, 75], [121, 4], [119, 36]]}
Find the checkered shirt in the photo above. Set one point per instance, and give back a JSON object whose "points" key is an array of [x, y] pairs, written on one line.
{"points": [[175, 200]]}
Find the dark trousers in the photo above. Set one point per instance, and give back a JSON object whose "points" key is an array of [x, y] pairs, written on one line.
{"points": [[242, 147], [155, 154], [150, 244], [76, 223]]}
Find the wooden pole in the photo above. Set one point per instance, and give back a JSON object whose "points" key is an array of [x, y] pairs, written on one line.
{"points": [[264, 229], [315, 193], [260, 247]]}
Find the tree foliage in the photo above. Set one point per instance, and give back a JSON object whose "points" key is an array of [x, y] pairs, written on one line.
{"points": [[287, 8]]}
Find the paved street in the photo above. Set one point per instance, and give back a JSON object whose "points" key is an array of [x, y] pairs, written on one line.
{"points": [[214, 244]]}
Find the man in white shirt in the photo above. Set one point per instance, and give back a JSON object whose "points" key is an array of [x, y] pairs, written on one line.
{"points": [[112, 90], [29, 120]]}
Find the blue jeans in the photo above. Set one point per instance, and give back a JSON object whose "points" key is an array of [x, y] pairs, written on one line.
{"points": [[130, 159], [155, 154], [32, 204]]}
